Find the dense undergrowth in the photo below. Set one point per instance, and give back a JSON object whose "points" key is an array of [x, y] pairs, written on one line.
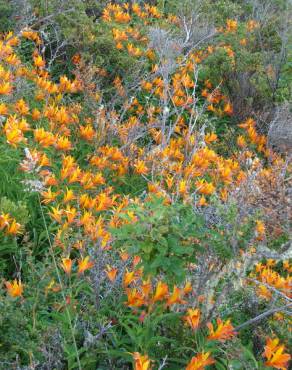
{"points": [[145, 206]]}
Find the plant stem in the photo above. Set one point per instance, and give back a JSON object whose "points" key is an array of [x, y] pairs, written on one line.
{"points": [[61, 284]]}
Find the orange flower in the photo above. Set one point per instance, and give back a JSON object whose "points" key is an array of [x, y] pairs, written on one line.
{"points": [[21, 107], [67, 265], [241, 141], [87, 132], [3, 109], [228, 109], [129, 277], [44, 138], [68, 196], [63, 143], [206, 188], [175, 297], [14, 289], [13, 228], [4, 220], [209, 138], [49, 196], [264, 292], [5, 88], [200, 361], [56, 214], [202, 201], [141, 362], [223, 332], [35, 114], [161, 291], [141, 168], [124, 256], [84, 264], [182, 187], [135, 298], [193, 318], [275, 356], [188, 287], [111, 273], [76, 59], [38, 61], [260, 229], [231, 25]]}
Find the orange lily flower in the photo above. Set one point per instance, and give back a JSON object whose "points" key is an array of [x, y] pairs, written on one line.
{"points": [[193, 318], [135, 298], [140, 168], [13, 228], [200, 361], [49, 196], [67, 265], [84, 264], [56, 214], [275, 356], [161, 291], [14, 289], [223, 332], [128, 278], [188, 287], [175, 297], [141, 362], [209, 138], [4, 220], [111, 273]]}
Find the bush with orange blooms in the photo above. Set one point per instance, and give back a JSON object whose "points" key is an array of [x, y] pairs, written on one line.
{"points": [[137, 230]]}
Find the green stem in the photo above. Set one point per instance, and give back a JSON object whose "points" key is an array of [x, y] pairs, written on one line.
{"points": [[61, 285]]}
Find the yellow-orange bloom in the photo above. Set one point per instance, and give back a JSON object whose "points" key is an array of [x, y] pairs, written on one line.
{"points": [[63, 143], [135, 298], [206, 188], [67, 265], [161, 291], [241, 142], [224, 330], [193, 318], [5, 88], [188, 287], [175, 297], [4, 220], [231, 25], [260, 229], [209, 138], [111, 273], [200, 361], [141, 362], [129, 277], [14, 289], [13, 228], [274, 353], [264, 292], [84, 264], [141, 168], [38, 61]]}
